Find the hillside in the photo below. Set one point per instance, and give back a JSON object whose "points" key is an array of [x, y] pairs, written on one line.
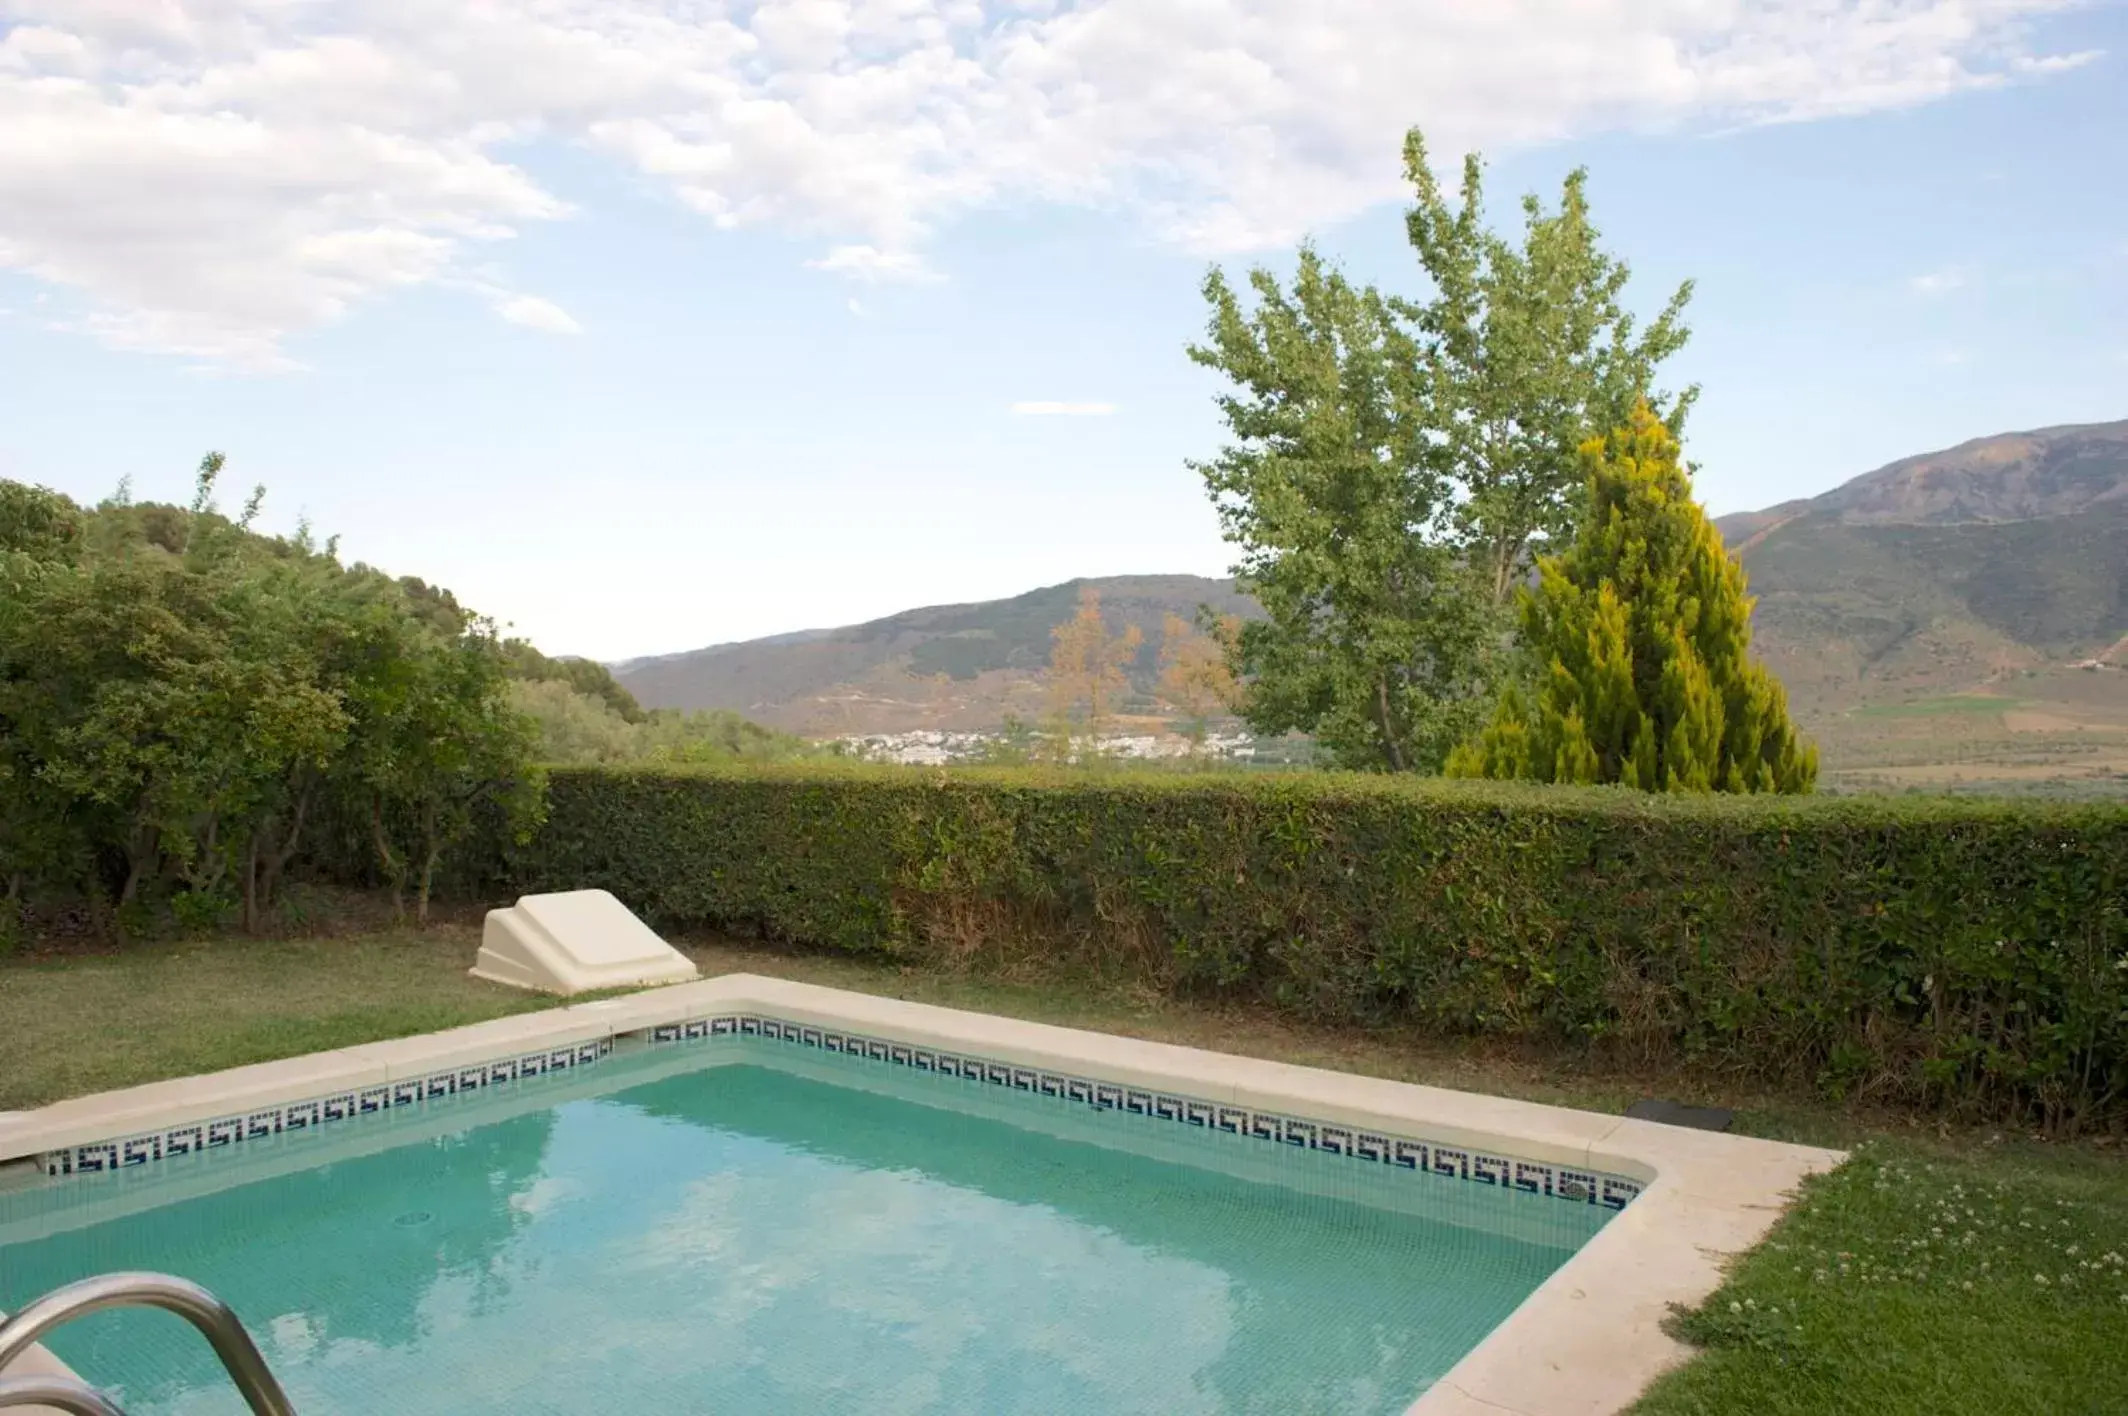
{"points": [[1924, 617], [944, 666], [1861, 612], [1945, 570]]}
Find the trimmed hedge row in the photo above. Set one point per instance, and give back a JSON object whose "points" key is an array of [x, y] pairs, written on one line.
{"points": [[1949, 954]]}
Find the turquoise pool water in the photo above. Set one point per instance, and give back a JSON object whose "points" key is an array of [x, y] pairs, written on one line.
{"points": [[739, 1226]]}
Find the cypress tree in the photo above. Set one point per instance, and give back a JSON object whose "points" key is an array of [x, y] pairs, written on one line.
{"points": [[1642, 630]]}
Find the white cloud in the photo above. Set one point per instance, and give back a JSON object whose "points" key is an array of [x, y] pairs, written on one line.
{"points": [[869, 263], [215, 176], [1932, 284], [1064, 410], [533, 312], [2057, 63]]}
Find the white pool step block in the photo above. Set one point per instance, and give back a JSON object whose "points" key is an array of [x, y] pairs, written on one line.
{"points": [[573, 942]]}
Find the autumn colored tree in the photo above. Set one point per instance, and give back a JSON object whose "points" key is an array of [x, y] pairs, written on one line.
{"points": [[1087, 666], [1641, 636], [1196, 673]]}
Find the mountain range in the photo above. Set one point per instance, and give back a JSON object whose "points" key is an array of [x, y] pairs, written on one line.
{"points": [[945, 666], [1983, 572]]}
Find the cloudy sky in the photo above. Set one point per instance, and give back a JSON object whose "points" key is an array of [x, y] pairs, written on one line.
{"points": [[645, 324]]}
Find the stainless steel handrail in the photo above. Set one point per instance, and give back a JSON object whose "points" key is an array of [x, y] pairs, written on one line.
{"points": [[49, 1389], [214, 1318]]}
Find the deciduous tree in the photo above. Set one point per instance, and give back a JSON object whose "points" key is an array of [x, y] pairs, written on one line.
{"points": [[1374, 638], [1527, 351], [1088, 666], [1391, 463], [1195, 673], [178, 692]]}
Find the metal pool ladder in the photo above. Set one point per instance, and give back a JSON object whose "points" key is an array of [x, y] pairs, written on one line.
{"points": [[214, 1318]]}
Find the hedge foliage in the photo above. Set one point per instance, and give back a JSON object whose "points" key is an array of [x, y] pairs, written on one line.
{"points": [[1951, 954]]}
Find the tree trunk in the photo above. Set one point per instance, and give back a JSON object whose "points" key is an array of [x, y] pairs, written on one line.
{"points": [[394, 873], [139, 856], [1505, 556], [428, 873], [204, 877], [277, 860], [1394, 753], [431, 848], [251, 884]]}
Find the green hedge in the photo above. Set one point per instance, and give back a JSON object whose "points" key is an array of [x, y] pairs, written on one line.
{"points": [[1952, 954]]}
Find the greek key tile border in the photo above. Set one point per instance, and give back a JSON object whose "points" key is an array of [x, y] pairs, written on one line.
{"points": [[308, 1115], [1563, 1183]]}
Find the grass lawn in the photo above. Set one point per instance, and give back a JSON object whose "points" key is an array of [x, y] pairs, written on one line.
{"points": [[89, 1022], [1937, 1272]]}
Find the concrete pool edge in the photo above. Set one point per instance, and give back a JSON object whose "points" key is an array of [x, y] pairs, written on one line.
{"points": [[1587, 1341]]}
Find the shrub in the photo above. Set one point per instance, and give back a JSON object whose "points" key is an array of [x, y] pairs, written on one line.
{"points": [[1640, 637], [1954, 954], [183, 701]]}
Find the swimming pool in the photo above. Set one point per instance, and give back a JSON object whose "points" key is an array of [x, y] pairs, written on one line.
{"points": [[749, 1195], [743, 1224]]}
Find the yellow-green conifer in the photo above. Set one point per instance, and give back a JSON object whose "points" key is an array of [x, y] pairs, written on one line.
{"points": [[1643, 630]]}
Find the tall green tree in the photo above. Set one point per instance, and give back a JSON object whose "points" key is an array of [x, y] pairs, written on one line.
{"points": [[42, 835], [163, 699], [1373, 638], [1527, 351], [1640, 636], [437, 739], [1392, 464]]}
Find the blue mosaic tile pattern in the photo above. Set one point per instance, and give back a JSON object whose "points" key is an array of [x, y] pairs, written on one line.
{"points": [[308, 1115], [1418, 1156]]}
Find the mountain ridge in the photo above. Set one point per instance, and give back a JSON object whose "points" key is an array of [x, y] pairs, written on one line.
{"points": [[901, 669], [1947, 572], [2023, 476]]}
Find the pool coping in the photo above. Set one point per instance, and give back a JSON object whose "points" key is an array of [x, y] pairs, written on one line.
{"points": [[1585, 1342]]}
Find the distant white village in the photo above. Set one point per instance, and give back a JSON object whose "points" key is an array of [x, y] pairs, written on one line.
{"points": [[933, 748]]}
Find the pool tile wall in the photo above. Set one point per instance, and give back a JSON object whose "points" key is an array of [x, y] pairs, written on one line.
{"points": [[1412, 1154], [1419, 1156], [311, 1113]]}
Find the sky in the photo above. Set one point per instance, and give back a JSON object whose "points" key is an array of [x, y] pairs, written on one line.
{"points": [[651, 324]]}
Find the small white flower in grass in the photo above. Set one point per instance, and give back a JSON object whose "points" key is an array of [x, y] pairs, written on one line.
{"points": [[1735, 1307]]}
